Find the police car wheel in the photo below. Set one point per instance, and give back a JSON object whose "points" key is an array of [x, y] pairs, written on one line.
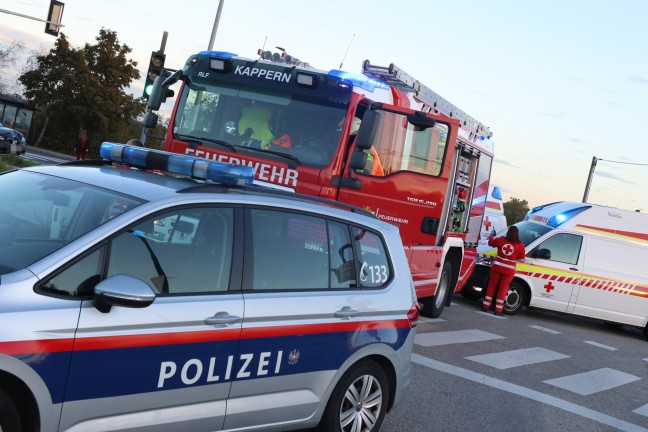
{"points": [[358, 402], [515, 299], [9, 417]]}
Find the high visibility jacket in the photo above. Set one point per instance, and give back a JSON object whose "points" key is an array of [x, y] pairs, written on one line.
{"points": [[507, 254], [257, 119]]}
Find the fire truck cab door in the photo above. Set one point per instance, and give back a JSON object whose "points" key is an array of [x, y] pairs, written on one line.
{"points": [[398, 171], [555, 270]]}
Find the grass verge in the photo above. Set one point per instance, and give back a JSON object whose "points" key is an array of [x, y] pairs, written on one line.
{"points": [[8, 162]]}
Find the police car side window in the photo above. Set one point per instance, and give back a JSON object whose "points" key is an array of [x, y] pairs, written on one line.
{"points": [[374, 264], [288, 251], [564, 248], [180, 252], [78, 279]]}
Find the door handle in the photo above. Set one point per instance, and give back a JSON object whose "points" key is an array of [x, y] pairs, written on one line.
{"points": [[346, 312], [573, 268], [222, 318]]}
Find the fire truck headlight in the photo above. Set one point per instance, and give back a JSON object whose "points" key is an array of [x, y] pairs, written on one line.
{"points": [[217, 64], [306, 80]]}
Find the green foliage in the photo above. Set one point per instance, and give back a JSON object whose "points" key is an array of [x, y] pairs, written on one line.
{"points": [[8, 162], [515, 209], [8, 56], [84, 87]]}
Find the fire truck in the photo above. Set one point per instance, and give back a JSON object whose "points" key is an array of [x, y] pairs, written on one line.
{"points": [[380, 140]]}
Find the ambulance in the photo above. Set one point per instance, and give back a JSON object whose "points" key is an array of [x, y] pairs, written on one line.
{"points": [[494, 219], [583, 259]]}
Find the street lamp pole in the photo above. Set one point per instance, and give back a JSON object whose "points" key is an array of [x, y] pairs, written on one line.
{"points": [[213, 35], [589, 179]]}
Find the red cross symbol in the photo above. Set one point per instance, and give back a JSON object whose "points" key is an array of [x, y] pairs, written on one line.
{"points": [[507, 249], [549, 287], [487, 224]]}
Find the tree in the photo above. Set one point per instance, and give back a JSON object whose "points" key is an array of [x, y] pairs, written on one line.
{"points": [[84, 87], [8, 56], [515, 209]]}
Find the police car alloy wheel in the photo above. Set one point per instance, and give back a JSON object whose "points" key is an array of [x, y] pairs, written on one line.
{"points": [[359, 401]]}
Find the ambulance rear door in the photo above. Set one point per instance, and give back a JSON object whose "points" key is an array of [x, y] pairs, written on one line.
{"points": [[555, 270]]}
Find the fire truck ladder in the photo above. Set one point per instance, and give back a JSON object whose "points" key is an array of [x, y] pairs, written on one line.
{"points": [[393, 76]]}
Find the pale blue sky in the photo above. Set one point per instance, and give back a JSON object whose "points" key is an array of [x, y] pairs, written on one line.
{"points": [[557, 81]]}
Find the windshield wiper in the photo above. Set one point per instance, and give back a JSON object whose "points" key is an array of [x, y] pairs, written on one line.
{"points": [[280, 154], [200, 140]]}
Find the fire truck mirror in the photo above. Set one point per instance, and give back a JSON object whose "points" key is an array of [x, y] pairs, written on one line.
{"points": [[421, 122], [368, 130], [358, 160], [151, 119]]}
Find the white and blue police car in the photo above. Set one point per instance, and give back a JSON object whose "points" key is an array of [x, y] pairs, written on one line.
{"points": [[157, 291]]}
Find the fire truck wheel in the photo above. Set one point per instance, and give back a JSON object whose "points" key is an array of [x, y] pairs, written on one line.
{"points": [[358, 402], [9, 417], [516, 298], [645, 331], [433, 306]]}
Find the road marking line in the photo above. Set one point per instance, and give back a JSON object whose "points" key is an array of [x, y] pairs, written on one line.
{"points": [[528, 393], [453, 337], [430, 320], [544, 329], [596, 344], [591, 382], [491, 315], [515, 358], [646, 359], [642, 410]]}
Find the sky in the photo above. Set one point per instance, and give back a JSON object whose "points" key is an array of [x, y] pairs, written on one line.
{"points": [[558, 82]]}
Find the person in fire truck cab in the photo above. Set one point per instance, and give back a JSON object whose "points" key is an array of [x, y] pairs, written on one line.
{"points": [[374, 166], [255, 123], [509, 250]]}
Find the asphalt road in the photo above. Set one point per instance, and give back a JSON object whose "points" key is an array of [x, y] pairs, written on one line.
{"points": [[45, 157], [534, 371]]}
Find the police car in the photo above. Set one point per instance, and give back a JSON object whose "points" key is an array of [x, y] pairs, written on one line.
{"points": [[133, 298]]}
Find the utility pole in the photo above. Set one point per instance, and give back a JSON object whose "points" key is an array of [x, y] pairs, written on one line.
{"points": [[589, 179], [213, 35]]}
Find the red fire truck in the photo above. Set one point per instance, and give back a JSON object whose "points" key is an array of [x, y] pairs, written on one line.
{"points": [[379, 140]]}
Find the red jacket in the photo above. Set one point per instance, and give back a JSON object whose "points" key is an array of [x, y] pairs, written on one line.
{"points": [[507, 254]]}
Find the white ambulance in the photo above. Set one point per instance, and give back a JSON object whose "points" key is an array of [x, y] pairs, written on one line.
{"points": [[584, 259], [494, 220]]}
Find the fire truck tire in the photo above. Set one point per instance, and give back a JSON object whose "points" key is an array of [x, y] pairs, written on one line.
{"points": [[645, 331], [433, 306], [349, 405], [9, 417], [516, 298]]}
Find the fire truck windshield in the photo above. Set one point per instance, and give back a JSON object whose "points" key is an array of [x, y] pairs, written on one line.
{"points": [[238, 116]]}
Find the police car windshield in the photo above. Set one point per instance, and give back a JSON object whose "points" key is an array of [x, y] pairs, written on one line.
{"points": [[529, 231], [40, 214], [305, 127]]}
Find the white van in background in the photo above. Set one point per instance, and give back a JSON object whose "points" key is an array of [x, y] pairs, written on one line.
{"points": [[583, 259]]}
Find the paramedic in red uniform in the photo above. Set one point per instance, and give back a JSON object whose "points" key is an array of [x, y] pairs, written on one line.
{"points": [[509, 250]]}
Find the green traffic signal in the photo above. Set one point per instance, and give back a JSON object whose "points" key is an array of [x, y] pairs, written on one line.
{"points": [[156, 66], [148, 89]]}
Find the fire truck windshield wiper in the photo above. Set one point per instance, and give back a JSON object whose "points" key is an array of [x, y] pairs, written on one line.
{"points": [[278, 153], [199, 140]]}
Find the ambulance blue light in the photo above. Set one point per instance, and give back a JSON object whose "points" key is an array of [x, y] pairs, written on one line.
{"points": [[220, 54], [358, 80], [190, 166]]}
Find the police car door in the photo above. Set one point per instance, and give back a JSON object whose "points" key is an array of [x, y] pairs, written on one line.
{"points": [[302, 315], [170, 363], [555, 269]]}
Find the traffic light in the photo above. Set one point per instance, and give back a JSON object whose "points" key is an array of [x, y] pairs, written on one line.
{"points": [[156, 64]]}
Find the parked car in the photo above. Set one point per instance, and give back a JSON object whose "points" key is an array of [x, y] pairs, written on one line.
{"points": [[12, 141], [146, 300]]}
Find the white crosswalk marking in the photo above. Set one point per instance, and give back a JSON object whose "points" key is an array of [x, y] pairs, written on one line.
{"points": [[642, 410], [454, 337], [544, 329], [430, 320], [523, 357], [596, 344], [591, 382]]}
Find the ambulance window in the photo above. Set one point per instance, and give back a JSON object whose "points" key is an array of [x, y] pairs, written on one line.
{"points": [[289, 251], [374, 264], [564, 248]]}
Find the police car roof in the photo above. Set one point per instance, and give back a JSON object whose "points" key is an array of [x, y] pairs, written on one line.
{"points": [[153, 186]]}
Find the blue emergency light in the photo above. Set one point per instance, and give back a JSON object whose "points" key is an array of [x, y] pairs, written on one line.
{"points": [[141, 157], [358, 80]]}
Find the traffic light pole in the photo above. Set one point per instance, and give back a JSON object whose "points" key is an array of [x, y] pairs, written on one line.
{"points": [[161, 51], [589, 179], [213, 35]]}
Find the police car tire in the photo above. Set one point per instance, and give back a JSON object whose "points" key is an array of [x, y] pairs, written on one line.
{"points": [[331, 418], [518, 290], [9, 417]]}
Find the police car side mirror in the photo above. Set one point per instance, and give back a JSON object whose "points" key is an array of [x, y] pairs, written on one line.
{"points": [[122, 290], [541, 254]]}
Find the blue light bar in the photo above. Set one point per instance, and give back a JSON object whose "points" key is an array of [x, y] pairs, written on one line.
{"points": [[141, 157], [358, 80], [221, 54]]}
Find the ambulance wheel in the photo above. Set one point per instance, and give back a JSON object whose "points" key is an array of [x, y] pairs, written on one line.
{"points": [[433, 306], [9, 417], [359, 401], [516, 298]]}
